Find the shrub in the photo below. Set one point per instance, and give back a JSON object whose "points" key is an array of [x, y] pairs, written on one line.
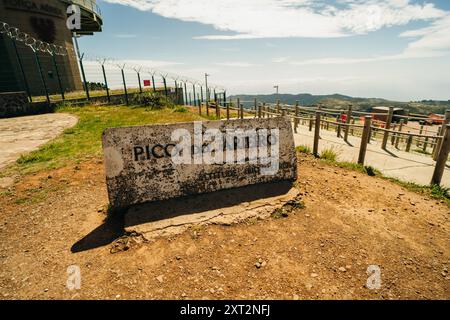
{"points": [[154, 101]]}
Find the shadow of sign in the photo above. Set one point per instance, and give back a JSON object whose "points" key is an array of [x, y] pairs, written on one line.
{"points": [[114, 226]]}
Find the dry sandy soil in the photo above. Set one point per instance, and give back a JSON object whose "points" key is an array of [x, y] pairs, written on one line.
{"points": [[55, 219]]}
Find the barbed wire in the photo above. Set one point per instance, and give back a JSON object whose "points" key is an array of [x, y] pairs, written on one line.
{"points": [[35, 44], [121, 64]]}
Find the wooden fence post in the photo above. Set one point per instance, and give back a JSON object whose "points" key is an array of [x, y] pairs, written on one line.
{"points": [[442, 157], [316, 134], [441, 132], [310, 122], [207, 107], [259, 111], [425, 144], [400, 127], [394, 126], [387, 127], [418, 138], [228, 110], [364, 139], [296, 115], [256, 108], [241, 109], [347, 121], [408, 143]]}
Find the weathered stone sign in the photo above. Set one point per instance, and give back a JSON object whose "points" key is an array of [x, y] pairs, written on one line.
{"points": [[148, 163]]}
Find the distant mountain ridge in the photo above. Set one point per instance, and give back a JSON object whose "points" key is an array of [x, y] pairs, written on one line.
{"points": [[341, 101]]}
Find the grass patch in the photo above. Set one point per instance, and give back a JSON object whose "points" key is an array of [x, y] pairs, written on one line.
{"points": [[432, 191], [422, 151], [329, 154], [304, 149], [83, 141]]}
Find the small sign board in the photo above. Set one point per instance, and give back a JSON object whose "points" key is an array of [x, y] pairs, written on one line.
{"points": [[147, 83], [157, 162]]}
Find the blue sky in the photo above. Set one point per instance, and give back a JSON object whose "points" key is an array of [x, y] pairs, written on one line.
{"points": [[395, 49]]}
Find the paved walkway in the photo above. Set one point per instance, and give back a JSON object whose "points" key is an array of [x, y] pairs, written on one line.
{"points": [[406, 166], [24, 134]]}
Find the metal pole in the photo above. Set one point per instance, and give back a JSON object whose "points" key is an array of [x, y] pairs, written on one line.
{"points": [[165, 87], [61, 89], [25, 82], [125, 86], [86, 88], [153, 83], [185, 94], [38, 61], [139, 80], [106, 83], [193, 88], [206, 87]]}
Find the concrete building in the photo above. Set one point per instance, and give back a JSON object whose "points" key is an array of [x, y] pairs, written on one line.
{"points": [[44, 20]]}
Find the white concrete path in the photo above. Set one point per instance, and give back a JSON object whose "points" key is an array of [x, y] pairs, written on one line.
{"points": [[406, 166]]}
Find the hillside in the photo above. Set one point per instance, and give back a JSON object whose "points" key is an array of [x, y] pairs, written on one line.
{"points": [[340, 101]]}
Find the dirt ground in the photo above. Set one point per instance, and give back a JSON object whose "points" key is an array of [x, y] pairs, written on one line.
{"points": [[52, 220]]}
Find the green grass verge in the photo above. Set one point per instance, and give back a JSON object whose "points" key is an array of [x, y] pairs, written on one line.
{"points": [[432, 191], [83, 141]]}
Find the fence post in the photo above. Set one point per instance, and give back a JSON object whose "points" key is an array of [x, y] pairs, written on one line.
{"points": [[207, 107], [256, 107], [441, 133], [240, 108], [165, 88], [394, 135], [228, 110], [106, 83], [264, 110], [199, 108], [139, 80], [259, 111], [185, 93], [27, 88], [347, 121], [125, 87], [316, 134], [86, 87], [339, 120], [217, 107], [387, 127], [442, 157], [38, 62], [195, 96], [153, 83], [310, 122], [364, 139], [296, 116], [425, 143], [408, 143], [61, 89], [400, 126], [418, 138]]}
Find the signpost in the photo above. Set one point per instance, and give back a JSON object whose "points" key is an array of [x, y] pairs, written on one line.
{"points": [[149, 163]]}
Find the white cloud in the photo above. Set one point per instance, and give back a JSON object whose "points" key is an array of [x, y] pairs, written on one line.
{"points": [[252, 19], [433, 41], [280, 59], [235, 64]]}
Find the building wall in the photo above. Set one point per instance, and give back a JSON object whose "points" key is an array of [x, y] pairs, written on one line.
{"points": [[44, 20]]}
